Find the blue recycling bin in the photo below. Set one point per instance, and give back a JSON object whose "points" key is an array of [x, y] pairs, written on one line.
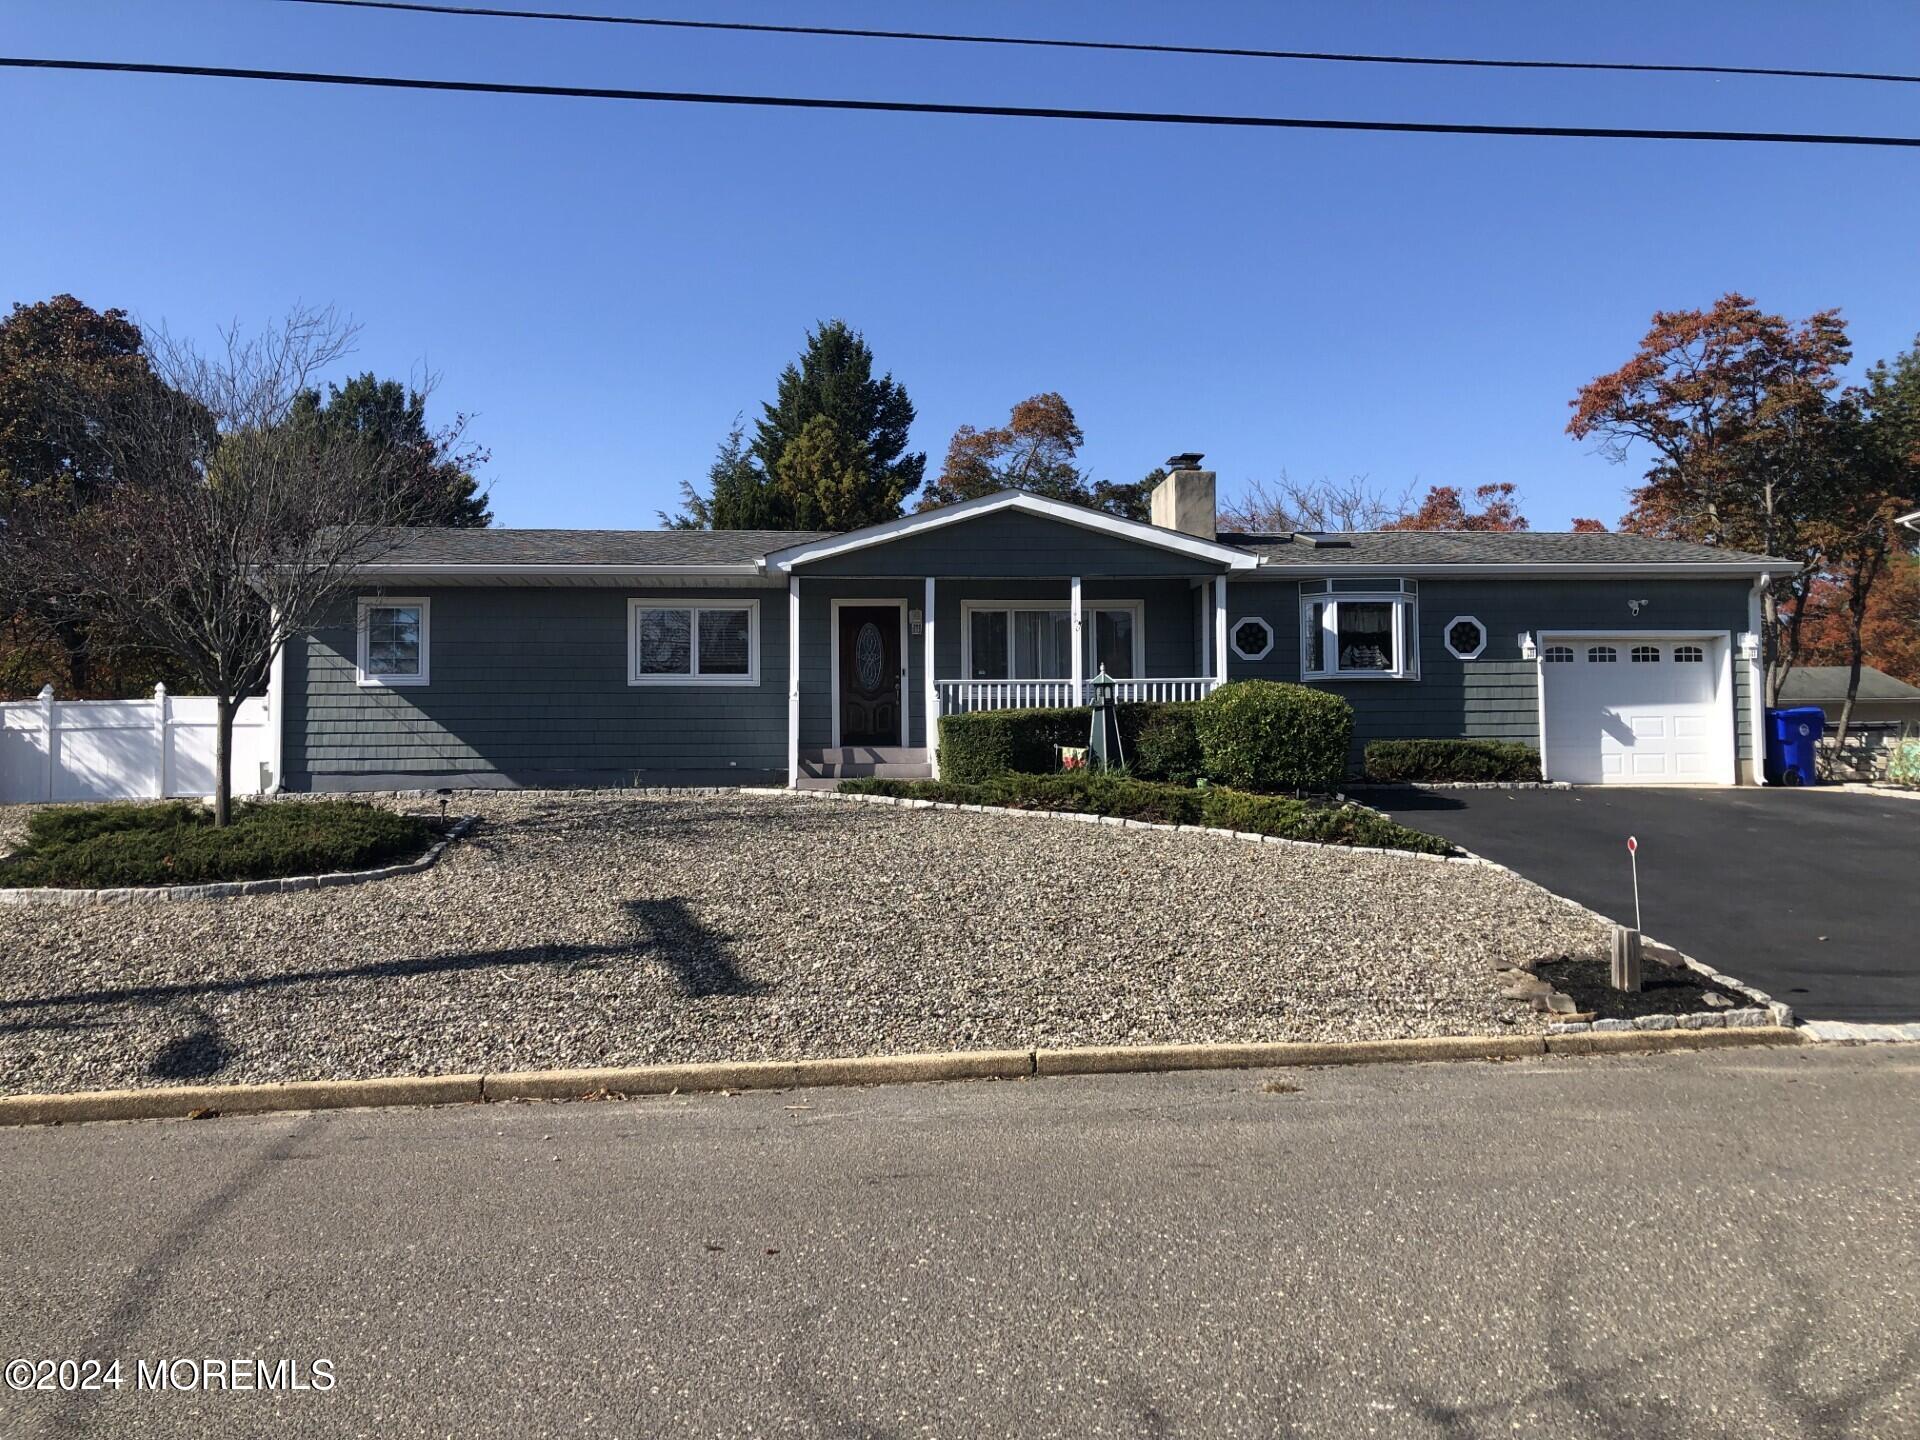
{"points": [[1793, 739]]}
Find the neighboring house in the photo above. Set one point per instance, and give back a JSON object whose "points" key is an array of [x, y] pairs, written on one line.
{"points": [[542, 657], [1881, 697]]}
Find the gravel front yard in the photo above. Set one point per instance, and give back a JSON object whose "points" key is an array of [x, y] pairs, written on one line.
{"points": [[611, 929]]}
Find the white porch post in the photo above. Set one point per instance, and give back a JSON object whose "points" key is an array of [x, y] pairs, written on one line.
{"points": [[793, 682], [932, 683], [1079, 670], [1220, 628]]}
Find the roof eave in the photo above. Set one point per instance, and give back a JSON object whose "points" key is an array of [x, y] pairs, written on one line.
{"points": [[1211, 551]]}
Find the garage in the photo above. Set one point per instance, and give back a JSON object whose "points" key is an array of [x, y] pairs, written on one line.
{"points": [[1637, 709]]}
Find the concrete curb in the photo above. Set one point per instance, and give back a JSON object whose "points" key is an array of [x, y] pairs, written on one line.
{"points": [[186, 1102], [229, 889]]}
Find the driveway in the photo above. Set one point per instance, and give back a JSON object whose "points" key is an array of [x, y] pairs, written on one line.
{"points": [[1814, 896]]}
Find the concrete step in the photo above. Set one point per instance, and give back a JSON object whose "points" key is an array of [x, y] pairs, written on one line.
{"points": [[888, 762]]}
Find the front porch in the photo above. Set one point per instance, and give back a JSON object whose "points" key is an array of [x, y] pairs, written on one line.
{"points": [[880, 661]]}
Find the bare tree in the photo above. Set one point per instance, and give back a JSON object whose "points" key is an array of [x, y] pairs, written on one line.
{"points": [[238, 528], [1285, 505]]}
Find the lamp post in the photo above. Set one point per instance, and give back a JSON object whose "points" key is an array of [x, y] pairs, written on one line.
{"points": [[1103, 745]]}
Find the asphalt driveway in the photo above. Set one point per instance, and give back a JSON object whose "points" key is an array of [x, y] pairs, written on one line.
{"points": [[1814, 896]]}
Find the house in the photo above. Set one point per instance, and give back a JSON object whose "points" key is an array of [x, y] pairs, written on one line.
{"points": [[541, 657], [1880, 697]]}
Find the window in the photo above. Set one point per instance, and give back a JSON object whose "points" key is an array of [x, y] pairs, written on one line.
{"points": [[1558, 654], [1466, 637], [678, 642], [1004, 643], [1358, 636], [1646, 654], [1601, 655], [393, 648], [1251, 638], [1688, 655]]}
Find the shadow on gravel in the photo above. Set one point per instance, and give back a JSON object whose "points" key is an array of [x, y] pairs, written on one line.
{"points": [[200, 1054], [666, 932]]}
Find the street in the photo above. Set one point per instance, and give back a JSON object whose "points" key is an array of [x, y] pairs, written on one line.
{"points": [[1696, 1244]]}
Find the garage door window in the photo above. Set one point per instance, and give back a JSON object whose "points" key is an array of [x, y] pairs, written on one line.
{"points": [[1601, 655], [1558, 654], [1646, 654], [1689, 655]]}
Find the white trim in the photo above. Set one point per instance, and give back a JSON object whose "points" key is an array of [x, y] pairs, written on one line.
{"points": [[932, 698], [1233, 632], [1712, 638], [1757, 682], [1446, 637], [1137, 608], [367, 603], [1358, 569], [1406, 633], [1079, 515], [693, 605], [793, 682], [276, 709], [1220, 628], [833, 656], [1076, 639], [1912, 522]]}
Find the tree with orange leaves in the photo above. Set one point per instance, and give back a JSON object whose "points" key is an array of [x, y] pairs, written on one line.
{"points": [[1737, 409], [1444, 509]]}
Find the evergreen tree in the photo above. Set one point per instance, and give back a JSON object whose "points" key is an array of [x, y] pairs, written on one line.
{"points": [[435, 474], [737, 498]]}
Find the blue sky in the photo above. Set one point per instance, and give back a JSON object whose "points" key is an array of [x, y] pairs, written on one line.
{"points": [[603, 286]]}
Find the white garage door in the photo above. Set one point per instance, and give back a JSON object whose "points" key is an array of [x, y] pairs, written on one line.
{"points": [[1629, 710]]}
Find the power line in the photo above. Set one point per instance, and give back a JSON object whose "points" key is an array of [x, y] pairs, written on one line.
{"points": [[924, 107], [1139, 47]]}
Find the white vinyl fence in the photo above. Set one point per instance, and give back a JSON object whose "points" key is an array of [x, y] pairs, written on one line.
{"points": [[127, 749]]}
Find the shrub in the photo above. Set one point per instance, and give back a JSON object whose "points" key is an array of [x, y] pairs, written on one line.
{"points": [[1163, 745], [986, 743], [1451, 760], [1131, 799], [177, 844], [1265, 735]]}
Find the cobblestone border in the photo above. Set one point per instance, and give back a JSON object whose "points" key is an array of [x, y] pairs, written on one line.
{"points": [[907, 802], [1423, 785], [230, 889]]}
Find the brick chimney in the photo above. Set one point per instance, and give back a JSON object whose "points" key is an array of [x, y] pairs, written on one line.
{"points": [[1184, 500]]}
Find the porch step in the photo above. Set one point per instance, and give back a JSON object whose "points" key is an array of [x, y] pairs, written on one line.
{"points": [[887, 762]]}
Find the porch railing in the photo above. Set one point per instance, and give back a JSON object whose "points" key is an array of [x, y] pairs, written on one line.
{"points": [[963, 697]]}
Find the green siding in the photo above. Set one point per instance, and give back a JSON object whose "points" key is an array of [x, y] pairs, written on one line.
{"points": [[529, 686], [1010, 543], [1494, 697]]}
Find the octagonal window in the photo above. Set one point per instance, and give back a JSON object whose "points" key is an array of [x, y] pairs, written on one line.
{"points": [[1466, 637], [1251, 638]]}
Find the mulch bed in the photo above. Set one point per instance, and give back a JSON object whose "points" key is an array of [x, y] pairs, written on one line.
{"points": [[1665, 990]]}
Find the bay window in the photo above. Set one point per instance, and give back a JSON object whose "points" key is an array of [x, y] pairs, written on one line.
{"points": [[1006, 642], [1361, 634]]}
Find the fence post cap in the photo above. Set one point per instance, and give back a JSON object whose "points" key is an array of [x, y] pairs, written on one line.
{"points": [[46, 691], [160, 690]]}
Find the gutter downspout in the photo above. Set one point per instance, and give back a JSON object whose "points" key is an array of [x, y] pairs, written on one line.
{"points": [[1757, 679]]}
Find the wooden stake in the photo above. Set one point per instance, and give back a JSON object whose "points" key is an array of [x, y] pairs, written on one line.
{"points": [[1626, 959]]}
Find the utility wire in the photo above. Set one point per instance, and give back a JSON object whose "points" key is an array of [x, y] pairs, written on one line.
{"points": [[923, 107], [1236, 52]]}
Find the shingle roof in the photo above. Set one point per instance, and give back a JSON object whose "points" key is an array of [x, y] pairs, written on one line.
{"points": [[639, 548], [1383, 548], [1810, 684], [1375, 549]]}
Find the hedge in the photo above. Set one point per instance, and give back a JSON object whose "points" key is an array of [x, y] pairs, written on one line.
{"points": [[1265, 735], [1451, 760], [1251, 734], [93, 846], [1132, 799]]}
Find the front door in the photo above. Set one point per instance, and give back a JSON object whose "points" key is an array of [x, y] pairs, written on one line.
{"points": [[872, 686]]}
